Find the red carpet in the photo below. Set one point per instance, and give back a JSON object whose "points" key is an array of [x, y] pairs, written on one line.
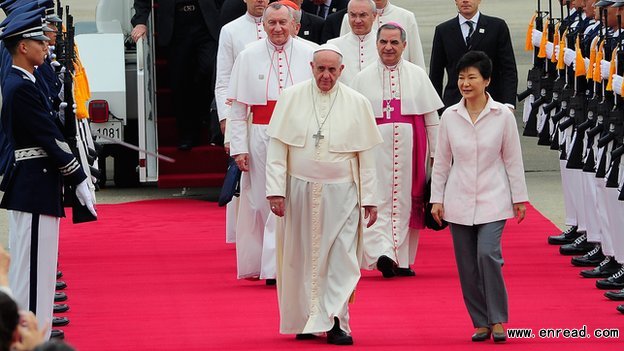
{"points": [[157, 275]]}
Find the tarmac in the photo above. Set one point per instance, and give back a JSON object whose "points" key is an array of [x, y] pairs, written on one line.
{"points": [[541, 164]]}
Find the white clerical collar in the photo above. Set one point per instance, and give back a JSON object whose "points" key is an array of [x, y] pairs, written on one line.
{"points": [[474, 19], [361, 37], [325, 93], [274, 47], [28, 74], [391, 68], [253, 19]]}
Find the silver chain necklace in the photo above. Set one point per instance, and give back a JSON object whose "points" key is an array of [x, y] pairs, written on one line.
{"points": [[318, 136]]}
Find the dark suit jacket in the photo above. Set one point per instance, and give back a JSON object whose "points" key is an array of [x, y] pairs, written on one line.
{"points": [[335, 6], [311, 27], [166, 16], [491, 36], [231, 10], [331, 27]]}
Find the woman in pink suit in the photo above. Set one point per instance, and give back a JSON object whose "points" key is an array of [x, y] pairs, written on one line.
{"points": [[477, 184]]}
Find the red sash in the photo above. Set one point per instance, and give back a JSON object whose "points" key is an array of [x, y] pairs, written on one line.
{"points": [[419, 157], [261, 114]]}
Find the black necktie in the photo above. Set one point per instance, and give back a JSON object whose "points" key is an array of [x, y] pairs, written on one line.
{"points": [[470, 31], [321, 10]]}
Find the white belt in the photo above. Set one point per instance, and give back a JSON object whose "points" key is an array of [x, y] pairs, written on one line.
{"points": [[320, 171], [30, 153]]}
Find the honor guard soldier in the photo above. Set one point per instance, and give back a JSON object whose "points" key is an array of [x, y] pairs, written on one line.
{"points": [[43, 162]]}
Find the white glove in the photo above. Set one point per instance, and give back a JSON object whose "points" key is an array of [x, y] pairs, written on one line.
{"points": [[617, 84], [586, 61], [569, 56], [605, 69], [62, 107], [536, 38], [557, 51], [55, 64], [85, 197], [549, 50]]}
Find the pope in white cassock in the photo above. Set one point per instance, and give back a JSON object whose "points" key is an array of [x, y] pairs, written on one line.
{"points": [[386, 13], [261, 72], [405, 104], [357, 46], [233, 38], [320, 173]]}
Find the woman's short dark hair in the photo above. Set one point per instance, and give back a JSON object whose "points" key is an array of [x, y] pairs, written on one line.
{"points": [[9, 318], [478, 60]]}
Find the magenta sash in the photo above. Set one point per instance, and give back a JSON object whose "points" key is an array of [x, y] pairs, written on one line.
{"points": [[419, 157]]}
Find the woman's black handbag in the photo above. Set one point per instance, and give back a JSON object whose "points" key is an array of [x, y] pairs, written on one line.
{"points": [[231, 183], [429, 221]]}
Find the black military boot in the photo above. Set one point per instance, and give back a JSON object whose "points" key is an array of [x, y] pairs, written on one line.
{"points": [[615, 295], [566, 237], [590, 259], [57, 334], [615, 281], [337, 336], [605, 269], [60, 308], [580, 246]]}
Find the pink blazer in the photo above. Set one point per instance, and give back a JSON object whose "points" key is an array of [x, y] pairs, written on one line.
{"points": [[478, 173]]}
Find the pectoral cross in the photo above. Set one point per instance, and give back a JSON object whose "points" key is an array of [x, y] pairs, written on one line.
{"points": [[388, 110], [318, 136]]}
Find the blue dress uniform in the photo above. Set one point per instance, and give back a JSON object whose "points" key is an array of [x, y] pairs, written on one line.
{"points": [[34, 185]]}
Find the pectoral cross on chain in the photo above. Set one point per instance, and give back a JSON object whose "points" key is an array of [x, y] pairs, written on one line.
{"points": [[388, 110], [318, 136]]}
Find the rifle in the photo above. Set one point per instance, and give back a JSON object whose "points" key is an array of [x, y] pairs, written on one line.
{"points": [[534, 79], [80, 213], [552, 88], [616, 127]]}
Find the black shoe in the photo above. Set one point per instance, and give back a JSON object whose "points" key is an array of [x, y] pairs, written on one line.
{"points": [[615, 281], [590, 259], [185, 146], [404, 272], [605, 269], [59, 321], [386, 266], [305, 336], [615, 295], [60, 297], [57, 334], [580, 246], [59, 274], [270, 282], [620, 308], [60, 308], [60, 285], [566, 237], [481, 336], [337, 336]]}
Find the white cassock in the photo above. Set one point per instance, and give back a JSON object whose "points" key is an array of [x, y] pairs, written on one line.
{"points": [[391, 13], [325, 185], [307, 42], [232, 40], [260, 73], [358, 51], [409, 128]]}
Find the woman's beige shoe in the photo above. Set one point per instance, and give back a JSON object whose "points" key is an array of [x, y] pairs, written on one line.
{"points": [[498, 333], [481, 334]]}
